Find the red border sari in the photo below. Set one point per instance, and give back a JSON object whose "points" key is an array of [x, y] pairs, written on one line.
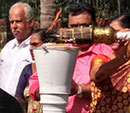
{"points": [[112, 95]]}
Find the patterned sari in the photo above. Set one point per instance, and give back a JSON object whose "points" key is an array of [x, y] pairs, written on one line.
{"points": [[33, 106], [112, 95]]}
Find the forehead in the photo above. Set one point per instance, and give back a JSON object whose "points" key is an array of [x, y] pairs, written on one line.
{"points": [[80, 18], [35, 36], [17, 13], [116, 25]]}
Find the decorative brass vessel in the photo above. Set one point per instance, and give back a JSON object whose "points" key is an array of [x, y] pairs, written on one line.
{"points": [[91, 34], [103, 34]]}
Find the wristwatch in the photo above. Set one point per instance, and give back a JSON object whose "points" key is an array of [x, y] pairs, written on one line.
{"points": [[79, 92]]}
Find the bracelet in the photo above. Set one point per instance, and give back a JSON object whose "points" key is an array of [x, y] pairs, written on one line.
{"points": [[79, 92], [125, 57]]}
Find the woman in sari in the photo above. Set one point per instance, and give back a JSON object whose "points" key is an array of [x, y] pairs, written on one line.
{"points": [[110, 76]]}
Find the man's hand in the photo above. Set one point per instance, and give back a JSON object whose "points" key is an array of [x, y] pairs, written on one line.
{"points": [[86, 90], [74, 88]]}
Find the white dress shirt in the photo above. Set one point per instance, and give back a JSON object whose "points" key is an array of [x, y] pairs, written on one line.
{"points": [[13, 58]]}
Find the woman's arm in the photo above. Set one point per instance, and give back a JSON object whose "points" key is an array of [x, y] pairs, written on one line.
{"points": [[34, 86], [100, 72]]}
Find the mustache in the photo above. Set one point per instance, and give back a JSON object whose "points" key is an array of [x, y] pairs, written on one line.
{"points": [[16, 30]]}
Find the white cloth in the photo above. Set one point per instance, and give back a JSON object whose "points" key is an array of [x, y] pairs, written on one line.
{"points": [[123, 35], [13, 58]]}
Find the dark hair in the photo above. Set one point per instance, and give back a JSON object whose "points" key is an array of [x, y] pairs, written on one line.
{"points": [[124, 20], [78, 8], [46, 36], [9, 104]]}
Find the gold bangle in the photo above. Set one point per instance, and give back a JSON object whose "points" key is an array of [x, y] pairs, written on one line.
{"points": [[125, 57]]}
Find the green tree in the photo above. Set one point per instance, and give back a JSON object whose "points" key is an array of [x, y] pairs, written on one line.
{"points": [[104, 8], [4, 7]]}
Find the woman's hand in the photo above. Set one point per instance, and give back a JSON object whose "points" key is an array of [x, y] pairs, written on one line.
{"points": [[128, 51]]}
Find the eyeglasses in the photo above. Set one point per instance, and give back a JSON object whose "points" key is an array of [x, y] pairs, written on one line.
{"points": [[77, 25]]}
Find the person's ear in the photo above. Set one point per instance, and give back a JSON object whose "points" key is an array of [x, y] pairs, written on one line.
{"points": [[31, 22]]}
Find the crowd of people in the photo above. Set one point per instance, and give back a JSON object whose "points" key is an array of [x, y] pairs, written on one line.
{"points": [[101, 78]]}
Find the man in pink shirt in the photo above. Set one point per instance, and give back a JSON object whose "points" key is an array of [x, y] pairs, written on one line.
{"points": [[80, 98]]}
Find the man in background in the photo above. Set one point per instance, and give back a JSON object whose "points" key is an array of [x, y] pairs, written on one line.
{"points": [[16, 55], [82, 14]]}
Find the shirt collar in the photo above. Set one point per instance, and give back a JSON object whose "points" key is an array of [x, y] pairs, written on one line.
{"points": [[23, 44], [91, 49]]}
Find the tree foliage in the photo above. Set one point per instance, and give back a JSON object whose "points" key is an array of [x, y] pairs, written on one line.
{"points": [[104, 8], [4, 7]]}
